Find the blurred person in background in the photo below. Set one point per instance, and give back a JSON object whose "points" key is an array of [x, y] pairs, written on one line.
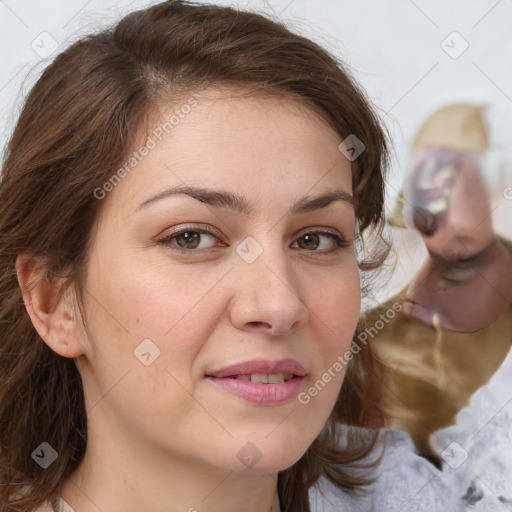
{"points": [[455, 327]]}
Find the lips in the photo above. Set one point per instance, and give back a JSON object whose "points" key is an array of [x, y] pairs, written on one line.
{"points": [[261, 382]]}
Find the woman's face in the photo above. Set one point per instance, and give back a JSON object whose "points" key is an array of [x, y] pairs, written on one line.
{"points": [[194, 300]]}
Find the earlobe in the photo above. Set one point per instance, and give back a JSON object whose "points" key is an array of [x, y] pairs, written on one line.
{"points": [[49, 305]]}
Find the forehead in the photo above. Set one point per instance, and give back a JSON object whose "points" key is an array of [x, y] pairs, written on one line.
{"points": [[265, 148]]}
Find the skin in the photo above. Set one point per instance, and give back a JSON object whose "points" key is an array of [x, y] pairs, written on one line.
{"points": [[162, 437], [467, 280]]}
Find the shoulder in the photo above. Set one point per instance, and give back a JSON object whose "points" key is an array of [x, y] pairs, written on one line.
{"points": [[402, 481], [480, 444]]}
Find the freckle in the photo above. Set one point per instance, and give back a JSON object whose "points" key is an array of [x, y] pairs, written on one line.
{"points": [[137, 319]]}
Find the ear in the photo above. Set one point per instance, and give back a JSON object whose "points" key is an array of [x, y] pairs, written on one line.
{"points": [[51, 309]]}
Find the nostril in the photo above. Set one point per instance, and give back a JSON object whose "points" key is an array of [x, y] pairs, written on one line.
{"points": [[259, 324]]}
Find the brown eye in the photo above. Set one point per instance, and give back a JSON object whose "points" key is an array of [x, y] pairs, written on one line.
{"points": [[311, 241], [188, 240], [321, 242]]}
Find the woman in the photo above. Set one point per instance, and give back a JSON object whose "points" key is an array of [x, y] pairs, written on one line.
{"points": [[182, 197]]}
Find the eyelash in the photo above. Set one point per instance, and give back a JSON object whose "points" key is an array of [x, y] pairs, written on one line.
{"points": [[340, 242]]}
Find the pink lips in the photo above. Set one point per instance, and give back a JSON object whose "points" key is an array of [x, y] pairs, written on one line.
{"points": [[258, 392]]}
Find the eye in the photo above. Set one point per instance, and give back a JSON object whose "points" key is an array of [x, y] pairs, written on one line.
{"points": [[321, 241], [189, 238]]}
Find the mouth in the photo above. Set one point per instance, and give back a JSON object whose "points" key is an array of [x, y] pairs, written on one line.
{"points": [[261, 382]]}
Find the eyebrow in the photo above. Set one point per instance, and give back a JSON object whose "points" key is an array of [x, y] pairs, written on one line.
{"points": [[238, 203]]}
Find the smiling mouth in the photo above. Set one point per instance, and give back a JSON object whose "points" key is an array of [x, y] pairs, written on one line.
{"points": [[261, 382]]}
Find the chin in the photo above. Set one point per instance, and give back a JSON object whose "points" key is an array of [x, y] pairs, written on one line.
{"points": [[270, 454], [272, 464]]}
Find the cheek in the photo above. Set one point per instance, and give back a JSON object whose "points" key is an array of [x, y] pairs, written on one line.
{"points": [[334, 318], [149, 300], [146, 326], [337, 305], [159, 315]]}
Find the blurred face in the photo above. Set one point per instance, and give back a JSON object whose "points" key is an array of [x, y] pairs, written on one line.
{"points": [[448, 203], [467, 281], [222, 283]]}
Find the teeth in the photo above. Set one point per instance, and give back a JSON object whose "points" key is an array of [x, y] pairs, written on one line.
{"points": [[271, 378], [264, 378], [259, 377], [275, 378]]}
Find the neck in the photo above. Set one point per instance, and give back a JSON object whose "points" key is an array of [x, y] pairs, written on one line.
{"points": [[119, 472]]}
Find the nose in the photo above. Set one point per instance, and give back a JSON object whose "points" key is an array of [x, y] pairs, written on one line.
{"points": [[266, 299]]}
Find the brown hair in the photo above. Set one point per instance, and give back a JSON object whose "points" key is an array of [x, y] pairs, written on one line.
{"points": [[79, 123]]}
